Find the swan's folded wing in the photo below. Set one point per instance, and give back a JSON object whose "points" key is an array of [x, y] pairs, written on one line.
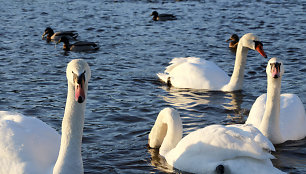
{"points": [[218, 142], [27, 145], [196, 73], [180, 60], [257, 111], [212, 145], [292, 117]]}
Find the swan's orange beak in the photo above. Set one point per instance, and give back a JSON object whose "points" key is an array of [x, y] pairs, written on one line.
{"points": [[259, 48], [79, 89]]}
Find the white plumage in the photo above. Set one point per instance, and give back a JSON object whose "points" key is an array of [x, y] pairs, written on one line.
{"points": [[238, 148], [30, 146], [280, 117], [198, 73]]}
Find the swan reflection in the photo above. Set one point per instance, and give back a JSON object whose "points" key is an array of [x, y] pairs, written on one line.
{"points": [[203, 100], [159, 162]]}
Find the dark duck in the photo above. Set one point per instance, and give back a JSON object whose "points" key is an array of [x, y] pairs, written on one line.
{"points": [[162, 17], [51, 36], [78, 46]]}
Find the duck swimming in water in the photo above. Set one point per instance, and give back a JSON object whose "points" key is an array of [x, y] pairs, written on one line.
{"points": [[78, 46], [51, 36], [162, 17], [234, 41]]}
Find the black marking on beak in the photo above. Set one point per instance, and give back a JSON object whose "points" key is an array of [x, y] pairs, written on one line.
{"points": [[220, 169], [80, 99]]}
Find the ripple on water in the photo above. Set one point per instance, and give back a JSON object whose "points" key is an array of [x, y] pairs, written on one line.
{"points": [[125, 95]]}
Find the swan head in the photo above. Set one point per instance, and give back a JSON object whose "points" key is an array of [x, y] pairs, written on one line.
{"points": [[78, 74], [252, 41], [275, 68]]}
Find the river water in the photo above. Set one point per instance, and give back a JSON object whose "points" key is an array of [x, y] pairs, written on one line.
{"points": [[125, 94]]}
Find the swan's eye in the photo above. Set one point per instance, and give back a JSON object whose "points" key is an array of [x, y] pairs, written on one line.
{"points": [[257, 43]]}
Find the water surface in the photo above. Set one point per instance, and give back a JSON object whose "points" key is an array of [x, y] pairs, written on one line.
{"points": [[125, 95]]}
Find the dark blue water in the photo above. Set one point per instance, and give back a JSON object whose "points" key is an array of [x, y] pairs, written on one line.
{"points": [[125, 95]]}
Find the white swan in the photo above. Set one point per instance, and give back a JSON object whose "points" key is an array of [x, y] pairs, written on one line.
{"points": [[213, 149], [280, 117], [198, 73], [29, 146]]}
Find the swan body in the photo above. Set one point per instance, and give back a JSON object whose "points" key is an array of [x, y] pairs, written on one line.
{"points": [[280, 117], [197, 73], [162, 17], [78, 46], [30, 146], [27, 145], [213, 149], [51, 36]]}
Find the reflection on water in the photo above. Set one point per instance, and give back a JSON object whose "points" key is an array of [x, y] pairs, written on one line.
{"points": [[288, 156], [159, 162], [236, 99], [198, 108], [124, 96], [190, 99], [185, 99]]}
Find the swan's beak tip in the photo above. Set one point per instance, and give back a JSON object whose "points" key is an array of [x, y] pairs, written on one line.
{"points": [[81, 99]]}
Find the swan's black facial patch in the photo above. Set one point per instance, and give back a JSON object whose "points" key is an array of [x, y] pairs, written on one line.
{"points": [[79, 79], [276, 69], [276, 65], [257, 43]]}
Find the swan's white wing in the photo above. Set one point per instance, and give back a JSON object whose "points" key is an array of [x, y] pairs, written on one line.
{"points": [[195, 73], [257, 111], [203, 150], [292, 115], [250, 165], [27, 145]]}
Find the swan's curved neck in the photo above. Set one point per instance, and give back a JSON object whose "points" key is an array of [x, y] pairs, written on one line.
{"points": [[270, 123], [166, 132], [237, 77], [70, 159]]}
